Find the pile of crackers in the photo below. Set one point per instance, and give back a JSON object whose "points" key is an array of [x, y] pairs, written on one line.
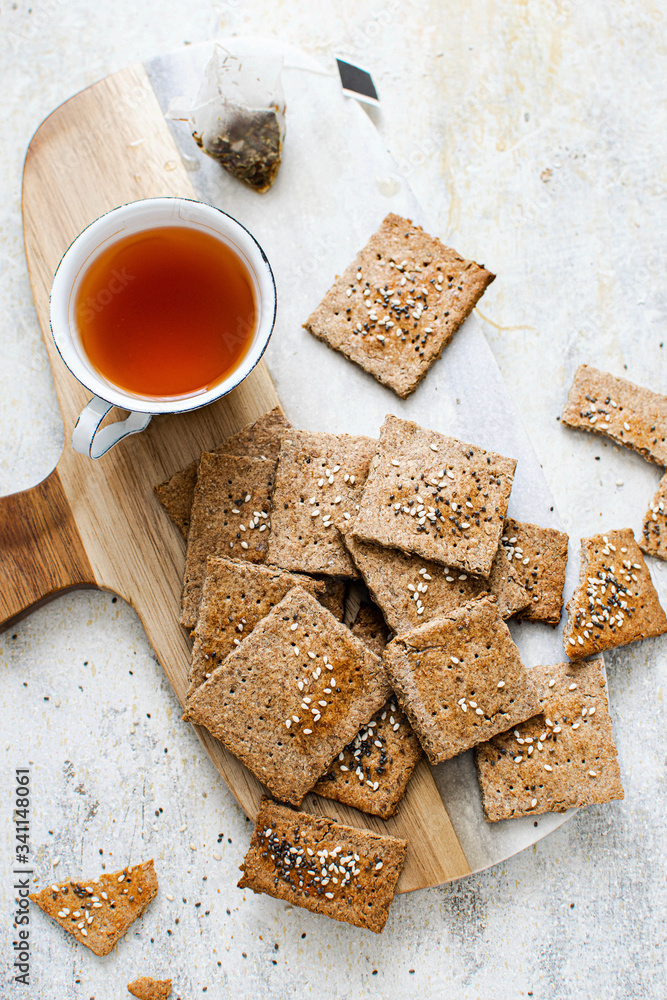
{"points": [[347, 599], [279, 524]]}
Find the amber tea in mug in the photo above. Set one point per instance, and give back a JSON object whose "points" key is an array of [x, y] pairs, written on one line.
{"points": [[166, 312]]}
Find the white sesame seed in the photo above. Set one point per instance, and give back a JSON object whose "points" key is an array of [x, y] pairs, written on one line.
{"points": [[501, 684], [533, 803], [593, 774], [308, 731]]}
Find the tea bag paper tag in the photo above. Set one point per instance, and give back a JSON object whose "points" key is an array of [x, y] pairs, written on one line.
{"points": [[357, 82]]}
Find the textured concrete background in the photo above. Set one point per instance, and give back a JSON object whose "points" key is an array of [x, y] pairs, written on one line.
{"points": [[536, 133]]}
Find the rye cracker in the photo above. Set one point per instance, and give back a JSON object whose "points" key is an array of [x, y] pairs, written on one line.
{"points": [[311, 861], [146, 988], [292, 695], [398, 304], [538, 557], [563, 757], [260, 439], [235, 597], [654, 533], [615, 602], [436, 497], [230, 517], [373, 771], [97, 912], [319, 480], [625, 412], [460, 679], [410, 590]]}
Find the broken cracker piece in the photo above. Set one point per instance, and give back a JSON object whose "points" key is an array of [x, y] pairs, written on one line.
{"points": [[260, 439], [561, 758], [292, 695], [231, 517], [311, 861], [398, 304], [97, 912], [460, 679], [319, 480], [615, 602], [235, 597], [373, 771], [539, 558], [146, 988], [625, 412], [435, 497], [654, 534]]}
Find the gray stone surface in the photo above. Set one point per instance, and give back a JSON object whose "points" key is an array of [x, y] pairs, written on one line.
{"points": [[534, 136]]}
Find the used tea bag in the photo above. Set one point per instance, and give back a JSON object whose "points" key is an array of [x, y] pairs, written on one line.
{"points": [[239, 115]]}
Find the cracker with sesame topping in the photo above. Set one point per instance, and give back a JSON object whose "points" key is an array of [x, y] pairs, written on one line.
{"points": [[539, 557], [654, 534], [460, 679], [319, 480], [235, 597], [373, 771], [435, 497], [230, 517], [411, 590], [563, 757], [292, 695], [258, 440], [146, 988], [370, 627], [627, 413], [399, 303], [97, 912], [615, 602], [314, 862]]}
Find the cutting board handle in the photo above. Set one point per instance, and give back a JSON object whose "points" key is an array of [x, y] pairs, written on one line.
{"points": [[41, 553]]}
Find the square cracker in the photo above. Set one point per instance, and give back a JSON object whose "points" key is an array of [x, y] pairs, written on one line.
{"points": [[615, 602], [146, 988], [373, 771], [460, 679], [459, 494], [411, 590], [625, 412], [255, 701], [235, 597], [311, 861], [399, 303], [539, 557], [113, 900], [320, 479], [654, 534], [230, 517], [561, 758], [260, 439]]}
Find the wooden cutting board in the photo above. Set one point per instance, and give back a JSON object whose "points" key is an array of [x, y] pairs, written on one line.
{"points": [[98, 524]]}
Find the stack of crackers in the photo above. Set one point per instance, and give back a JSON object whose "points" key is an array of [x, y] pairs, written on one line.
{"points": [[280, 523]]}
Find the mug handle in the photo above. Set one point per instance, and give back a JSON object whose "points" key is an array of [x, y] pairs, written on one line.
{"points": [[87, 439]]}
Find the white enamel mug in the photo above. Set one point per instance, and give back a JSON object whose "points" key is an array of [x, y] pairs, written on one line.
{"points": [[138, 216]]}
